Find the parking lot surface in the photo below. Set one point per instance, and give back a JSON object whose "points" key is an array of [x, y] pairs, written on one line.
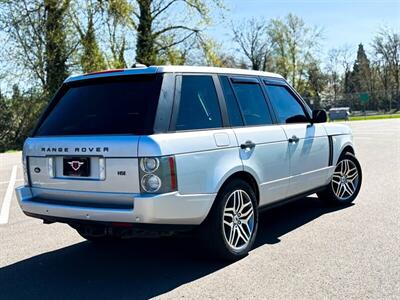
{"points": [[304, 250]]}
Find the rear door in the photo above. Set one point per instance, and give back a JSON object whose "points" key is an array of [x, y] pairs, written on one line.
{"points": [[307, 143], [263, 144], [205, 148]]}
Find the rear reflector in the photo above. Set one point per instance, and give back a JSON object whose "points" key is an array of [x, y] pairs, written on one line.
{"points": [[121, 224], [171, 161]]}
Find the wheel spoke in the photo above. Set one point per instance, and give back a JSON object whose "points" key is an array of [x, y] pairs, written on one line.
{"points": [[342, 191], [342, 168], [347, 167], [343, 180], [336, 191], [244, 206], [234, 201], [336, 179], [350, 188], [352, 177], [239, 208], [230, 224], [243, 234], [236, 240], [229, 209], [231, 235], [228, 215], [247, 226], [247, 214], [237, 219]]}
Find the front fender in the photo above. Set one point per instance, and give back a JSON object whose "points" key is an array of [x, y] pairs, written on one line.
{"points": [[340, 142]]}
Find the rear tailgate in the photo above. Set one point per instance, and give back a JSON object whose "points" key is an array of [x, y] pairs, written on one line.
{"points": [[112, 163]]}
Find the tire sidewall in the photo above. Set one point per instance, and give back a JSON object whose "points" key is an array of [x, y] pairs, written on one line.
{"points": [[351, 157], [222, 198]]}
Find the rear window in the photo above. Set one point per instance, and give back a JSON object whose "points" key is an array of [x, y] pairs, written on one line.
{"points": [[113, 105]]}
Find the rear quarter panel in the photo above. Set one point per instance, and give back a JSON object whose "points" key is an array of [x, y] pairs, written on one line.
{"points": [[204, 159]]}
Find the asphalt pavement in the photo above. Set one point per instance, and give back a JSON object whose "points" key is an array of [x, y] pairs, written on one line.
{"points": [[304, 250]]}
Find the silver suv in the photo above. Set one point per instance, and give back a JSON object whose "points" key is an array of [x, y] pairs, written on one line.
{"points": [[170, 149]]}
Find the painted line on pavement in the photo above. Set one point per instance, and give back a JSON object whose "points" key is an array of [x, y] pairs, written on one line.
{"points": [[18, 180], [5, 208]]}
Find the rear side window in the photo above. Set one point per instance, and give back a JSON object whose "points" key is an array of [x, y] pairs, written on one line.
{"points": [[235, 118], [113, 105], [198, 105], [252, 103], [288, 109]]}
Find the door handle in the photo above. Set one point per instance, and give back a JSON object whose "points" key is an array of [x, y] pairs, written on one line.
{"points": [[294, 139], [247, 145]]}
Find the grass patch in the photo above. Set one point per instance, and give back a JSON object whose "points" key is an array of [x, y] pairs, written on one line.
{"points": [[377, 117], [10, 151]]}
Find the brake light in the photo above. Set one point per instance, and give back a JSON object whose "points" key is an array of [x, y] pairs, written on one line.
{"points": [[104, 72]]}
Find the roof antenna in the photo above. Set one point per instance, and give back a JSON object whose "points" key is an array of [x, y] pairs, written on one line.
{"points": [[138, 65]]}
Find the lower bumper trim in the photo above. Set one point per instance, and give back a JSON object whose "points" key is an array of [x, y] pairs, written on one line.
{"points": [[127, 206]]}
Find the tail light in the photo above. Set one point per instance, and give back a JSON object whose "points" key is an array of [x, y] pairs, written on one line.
{"points": [[157, 175], [25, 169]]}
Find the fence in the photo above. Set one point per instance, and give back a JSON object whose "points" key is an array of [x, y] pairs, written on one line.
{"points": [[359, 103]]}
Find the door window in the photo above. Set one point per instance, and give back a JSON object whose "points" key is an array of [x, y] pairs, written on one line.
{"points": [[287, 108], [252, 103], [198, 106], [235, 118]]}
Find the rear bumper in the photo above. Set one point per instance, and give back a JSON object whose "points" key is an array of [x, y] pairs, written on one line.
{"points": [[170, 208]]}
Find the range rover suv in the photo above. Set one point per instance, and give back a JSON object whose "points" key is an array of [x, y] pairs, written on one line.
{"points": [[162, 150]]}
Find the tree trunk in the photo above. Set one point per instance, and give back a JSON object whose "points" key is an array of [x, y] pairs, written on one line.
{"points": [[145, 46]]}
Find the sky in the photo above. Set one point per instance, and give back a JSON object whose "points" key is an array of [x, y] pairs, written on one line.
{"points": [[344, 22]]}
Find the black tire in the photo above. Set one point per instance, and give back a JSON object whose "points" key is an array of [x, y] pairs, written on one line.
{"points": [[213, 230], [329, 194]]}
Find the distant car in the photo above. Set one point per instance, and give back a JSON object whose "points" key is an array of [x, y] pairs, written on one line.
{"points": [[161, 150], [339, 113]]}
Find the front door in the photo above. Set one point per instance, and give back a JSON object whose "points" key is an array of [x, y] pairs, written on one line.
{"points": [[307, 143]]}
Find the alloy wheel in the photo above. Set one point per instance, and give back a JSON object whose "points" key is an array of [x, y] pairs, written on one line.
{"points": [[238, 220], [345, 179]]}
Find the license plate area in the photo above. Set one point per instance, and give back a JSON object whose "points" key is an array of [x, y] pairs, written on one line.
{"points": [[76, 166]]}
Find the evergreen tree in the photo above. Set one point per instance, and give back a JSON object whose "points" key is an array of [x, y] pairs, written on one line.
{"points": [[56, 52], [92, 58], [5, 122], [361, 71], [145, 46]]}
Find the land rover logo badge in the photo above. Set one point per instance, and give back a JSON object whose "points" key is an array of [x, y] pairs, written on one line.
{"points": [[75, 165]]}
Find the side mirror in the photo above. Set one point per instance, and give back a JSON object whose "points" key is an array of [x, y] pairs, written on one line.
{"points": [[319, 116]]}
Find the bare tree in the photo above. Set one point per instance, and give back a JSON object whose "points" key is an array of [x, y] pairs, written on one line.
{"points": [[387, 49], [165, 24], [294, 45], [338, 63], [253, 41], [36, 41]]}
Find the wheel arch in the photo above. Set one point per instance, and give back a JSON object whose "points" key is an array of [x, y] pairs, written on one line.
{"points": [[346, 148], [246, 177], [341, 145]]}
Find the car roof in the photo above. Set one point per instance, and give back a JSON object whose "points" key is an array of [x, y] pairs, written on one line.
{"points": [[170, 69]]}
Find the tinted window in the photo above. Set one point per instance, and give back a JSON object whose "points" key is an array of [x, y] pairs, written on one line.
{"points": [[198, 106], [107, 106], [288, 109], [235, 118], [252, 102]]}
